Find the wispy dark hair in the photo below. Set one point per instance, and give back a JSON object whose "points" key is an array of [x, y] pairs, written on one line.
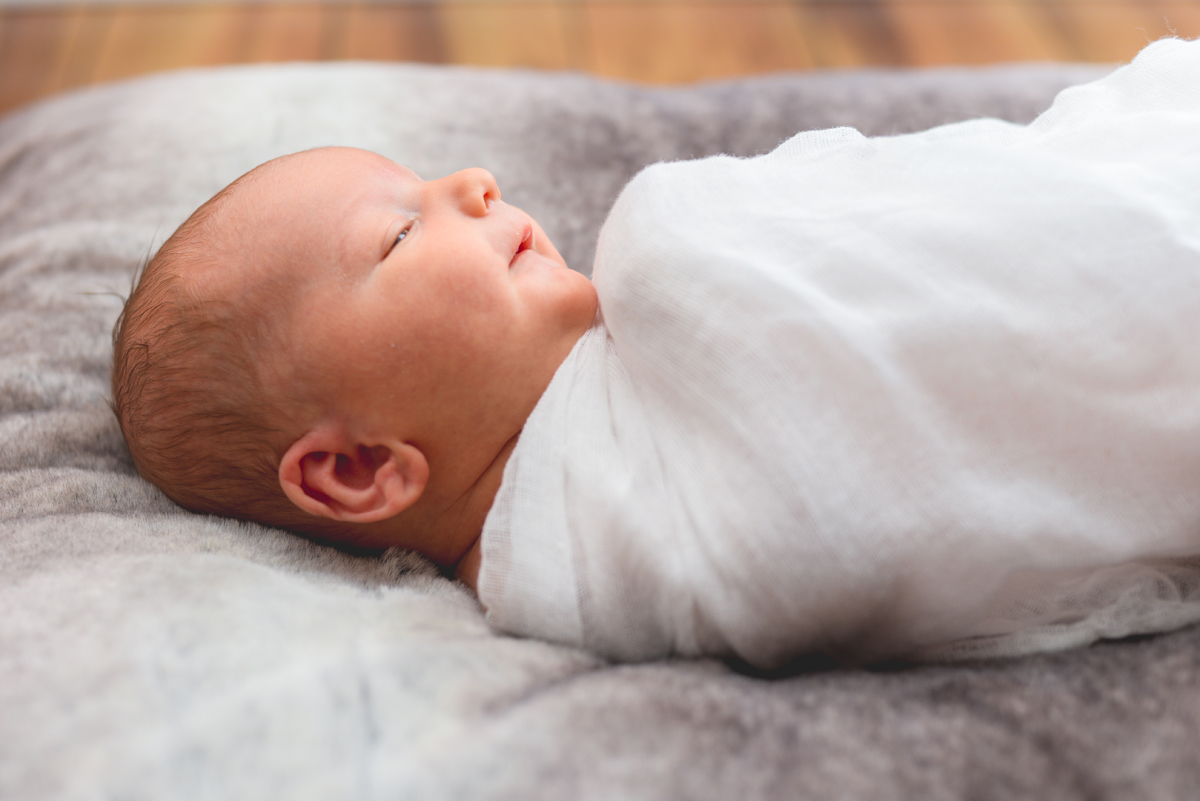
{"points": [[188, 389]]}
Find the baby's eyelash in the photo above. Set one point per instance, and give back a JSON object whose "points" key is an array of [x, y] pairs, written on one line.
{"points": [[403, 233]]}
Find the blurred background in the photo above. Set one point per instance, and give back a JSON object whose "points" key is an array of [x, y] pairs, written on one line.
{"points": [[47, 46]]}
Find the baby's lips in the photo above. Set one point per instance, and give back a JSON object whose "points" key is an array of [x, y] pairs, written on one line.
{"points": [[525, 244]]}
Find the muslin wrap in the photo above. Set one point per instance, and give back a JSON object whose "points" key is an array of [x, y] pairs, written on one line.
{"points": [[924, 396]]}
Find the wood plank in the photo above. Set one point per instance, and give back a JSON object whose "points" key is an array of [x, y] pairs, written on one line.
{"points": [[509, 34], [1181, 18], [145, 39], [50, 48], [1116, 31], [86, 32], [936, 32], [33, 44], [851, 33], [676, 42], [395, 32], [284, 31]]}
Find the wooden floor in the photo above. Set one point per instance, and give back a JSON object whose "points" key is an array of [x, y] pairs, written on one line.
{"points": [[44, 50]]}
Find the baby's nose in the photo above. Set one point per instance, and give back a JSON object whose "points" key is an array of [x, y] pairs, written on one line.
{"points": [[475, 189]]}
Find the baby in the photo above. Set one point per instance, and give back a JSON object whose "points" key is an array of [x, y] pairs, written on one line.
{"points": [[916, 396], [337, 347]]}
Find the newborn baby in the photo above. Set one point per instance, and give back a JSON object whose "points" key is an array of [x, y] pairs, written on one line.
{"points": [[334, 346], [928, 396]]}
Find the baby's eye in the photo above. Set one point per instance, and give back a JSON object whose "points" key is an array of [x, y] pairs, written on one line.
{"points": [[399, 237]]}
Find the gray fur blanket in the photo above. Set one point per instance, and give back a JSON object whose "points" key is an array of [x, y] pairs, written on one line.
{"points": [[149, 653]]}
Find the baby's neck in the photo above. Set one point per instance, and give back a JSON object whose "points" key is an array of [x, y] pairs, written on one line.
{"points": [[475, 505], [451, 517], [462, 521]]}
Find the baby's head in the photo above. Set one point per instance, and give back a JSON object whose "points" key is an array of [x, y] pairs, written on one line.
{"points": [[334, 346]]}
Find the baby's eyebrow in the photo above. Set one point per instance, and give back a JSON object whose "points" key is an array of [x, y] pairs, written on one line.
{"points": [[411, 172]]}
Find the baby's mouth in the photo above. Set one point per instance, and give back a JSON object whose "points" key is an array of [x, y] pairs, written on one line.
{"points": [[526, 244]]}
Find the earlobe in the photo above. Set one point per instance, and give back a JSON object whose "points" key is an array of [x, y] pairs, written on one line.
{"points": [[331, 474]]}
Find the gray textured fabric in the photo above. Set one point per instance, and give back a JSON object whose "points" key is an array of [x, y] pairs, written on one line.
{"points": [[146, 652]]}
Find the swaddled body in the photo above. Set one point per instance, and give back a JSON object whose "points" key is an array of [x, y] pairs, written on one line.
{"points": [[878, 396]]}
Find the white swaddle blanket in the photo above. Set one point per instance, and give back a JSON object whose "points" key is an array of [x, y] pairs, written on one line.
{"points": [[925, 395]]}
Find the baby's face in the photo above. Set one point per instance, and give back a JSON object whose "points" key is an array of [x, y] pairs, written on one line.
{"points": [[424, 305]]}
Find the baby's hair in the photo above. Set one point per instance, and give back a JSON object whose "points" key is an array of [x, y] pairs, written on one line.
{"points": [[188, 389]]}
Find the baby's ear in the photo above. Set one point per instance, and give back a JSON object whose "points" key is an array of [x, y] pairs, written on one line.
{"points": [[330, 474]]}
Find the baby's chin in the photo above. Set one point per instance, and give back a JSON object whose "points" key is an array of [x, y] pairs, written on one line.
{"points": [[532, 261], [555, 291]]}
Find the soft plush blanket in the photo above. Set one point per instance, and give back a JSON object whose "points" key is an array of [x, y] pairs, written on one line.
{"points": [[843, 393], [149, 653]]}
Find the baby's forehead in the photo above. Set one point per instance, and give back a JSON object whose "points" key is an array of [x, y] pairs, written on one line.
{"points": [[283, 225], [307, 192], [229, 261]]}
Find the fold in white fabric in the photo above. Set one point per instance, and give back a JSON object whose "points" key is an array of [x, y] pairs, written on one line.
{"points": [[930, 395]]}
